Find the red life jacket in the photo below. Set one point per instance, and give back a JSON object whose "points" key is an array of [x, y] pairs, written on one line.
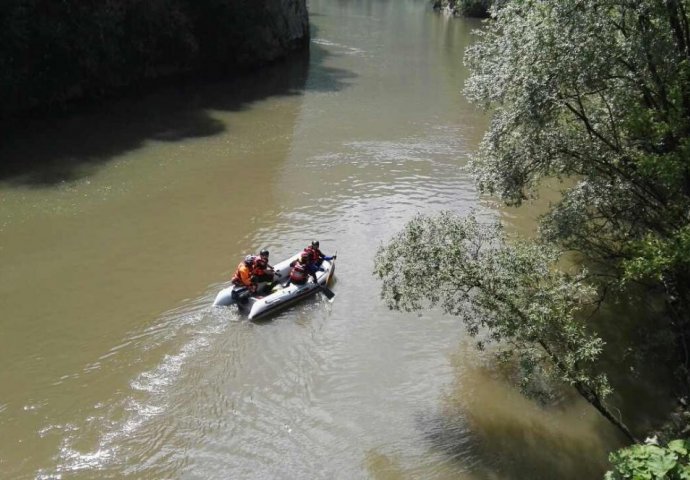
{"points": [[314, 254], [298, 274], [259, 267]]}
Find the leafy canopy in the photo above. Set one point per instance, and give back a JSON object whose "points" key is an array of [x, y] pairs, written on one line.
{"points": [[506, 292], [599, 91]]}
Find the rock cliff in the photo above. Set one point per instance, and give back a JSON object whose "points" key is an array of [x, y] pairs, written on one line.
{"points": [[53, 52]]}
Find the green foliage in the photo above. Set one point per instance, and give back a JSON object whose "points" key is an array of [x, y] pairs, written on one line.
{"points": [[655, 256], [598, 91], [651, 462], [507, 292]]}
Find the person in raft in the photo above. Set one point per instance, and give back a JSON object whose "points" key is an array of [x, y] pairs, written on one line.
{"points": [[302, 269], [263, 271], [316, 256], [263, 275], [264, 254], [243, 275]]}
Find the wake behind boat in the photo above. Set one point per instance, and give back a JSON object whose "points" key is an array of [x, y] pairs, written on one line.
{"points": [[260, 305]]}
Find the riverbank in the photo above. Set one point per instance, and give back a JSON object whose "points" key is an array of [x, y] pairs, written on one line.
{"points": [[464, 8]]}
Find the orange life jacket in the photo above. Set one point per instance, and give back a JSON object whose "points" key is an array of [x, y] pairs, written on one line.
{"points": [[243, 275]]}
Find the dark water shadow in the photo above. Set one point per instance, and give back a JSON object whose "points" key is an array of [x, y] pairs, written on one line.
{"points": [[639, 355], [639, 358], [511, 452], [62, 147], [485, 426]]}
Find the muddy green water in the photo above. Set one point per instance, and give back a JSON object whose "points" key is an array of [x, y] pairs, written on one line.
{"points": [[135, 213]]}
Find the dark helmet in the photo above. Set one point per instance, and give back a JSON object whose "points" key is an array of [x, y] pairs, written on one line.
{"points": [[315, 243], [263, 253], [248, 260]]}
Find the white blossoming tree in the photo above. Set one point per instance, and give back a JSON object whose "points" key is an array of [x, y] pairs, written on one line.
{"points": [[508, 292]]}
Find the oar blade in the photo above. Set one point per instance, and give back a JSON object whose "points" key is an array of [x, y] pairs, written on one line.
{"points": [[330, 294]]}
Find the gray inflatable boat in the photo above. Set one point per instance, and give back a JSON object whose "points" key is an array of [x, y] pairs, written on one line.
{"points": [[261, 304]]}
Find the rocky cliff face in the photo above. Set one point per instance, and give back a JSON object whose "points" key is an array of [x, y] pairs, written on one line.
{"points": [[77, 49], [291, 22], [277, 27]]}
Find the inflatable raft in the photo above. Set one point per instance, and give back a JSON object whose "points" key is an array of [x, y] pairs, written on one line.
{"points": [[277, 297]]}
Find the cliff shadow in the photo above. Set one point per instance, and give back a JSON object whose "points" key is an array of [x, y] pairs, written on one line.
{"points": [[52, 148]]}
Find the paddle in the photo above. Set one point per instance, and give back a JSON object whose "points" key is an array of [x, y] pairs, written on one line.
{"points": [[330, 294]]}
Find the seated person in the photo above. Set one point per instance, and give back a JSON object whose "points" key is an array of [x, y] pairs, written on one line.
{"points": [[262, 274], [263, 255], [316, 256], [243, 275], [302, 269]]}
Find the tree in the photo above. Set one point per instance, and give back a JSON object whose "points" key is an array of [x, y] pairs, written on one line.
{"points": [[599, 91], [505, 292]]}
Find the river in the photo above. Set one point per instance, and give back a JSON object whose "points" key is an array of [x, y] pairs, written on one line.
{"points": [[120, 222]]}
